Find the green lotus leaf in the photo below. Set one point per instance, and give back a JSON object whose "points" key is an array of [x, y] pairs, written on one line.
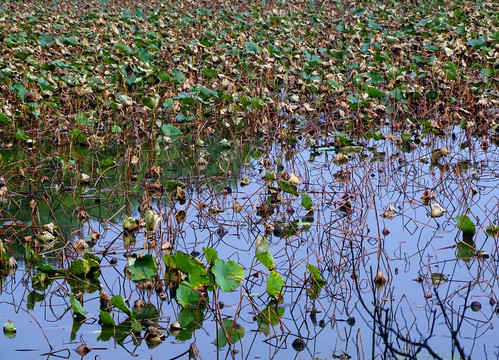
{"points": [[228, 275]]}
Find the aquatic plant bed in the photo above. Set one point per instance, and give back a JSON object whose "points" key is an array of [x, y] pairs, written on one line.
{"points": [[226, 179]]}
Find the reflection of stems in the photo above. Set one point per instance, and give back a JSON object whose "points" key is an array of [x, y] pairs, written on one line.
{"points": [[459, 323], [26, 311], [60, 229], [384, 330]]}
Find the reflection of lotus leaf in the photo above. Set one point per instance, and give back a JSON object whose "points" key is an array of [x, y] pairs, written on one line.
{"points": [[233, 329]]}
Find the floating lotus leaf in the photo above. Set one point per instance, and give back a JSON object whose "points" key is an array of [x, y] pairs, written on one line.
{"points": [[228, 275], [275, 284], [186, 295], [263, 254], [192, 267], [142, 267], [77, 306]]}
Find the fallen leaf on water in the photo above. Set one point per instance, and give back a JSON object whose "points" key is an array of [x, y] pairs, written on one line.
{"points": [[80, 245], [179, 193], [427, 197], [83, 216], [237, 207], [389, 213], [134, 160], [437, 210], [340, 159], [293, 179]]}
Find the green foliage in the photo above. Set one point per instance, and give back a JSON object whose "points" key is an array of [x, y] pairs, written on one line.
{"points": [[270, 316], [287, 187], [228, 275], [232, 329], [9, 327], [190, 266], [171, 131], [77, 306], [151, 101], [466, 249], [190, 319], [152, 220], [374, 93], [466, 225], [211, 255], [119, 303], [105, 318], [306, 201], [46, 40], [177, 77], [209, 73], [186, 295], [129, 223], [4, 119], [4, 256], [317, 282], [493, 230], [263, 254], [20, 90], [275, 284], [142, 267], [147, 312], [87, 266], [251, 47]]}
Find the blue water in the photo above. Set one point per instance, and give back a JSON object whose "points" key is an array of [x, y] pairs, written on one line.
{"points": [[349, 249]]}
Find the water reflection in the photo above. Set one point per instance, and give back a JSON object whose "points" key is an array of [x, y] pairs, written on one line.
{"points": [[369, 216]]}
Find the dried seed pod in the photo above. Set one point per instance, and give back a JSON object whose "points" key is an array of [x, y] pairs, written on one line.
{"points": [[138, 304], [148, 286], [193, 352], [153, 334], [299, 344], [179, 193], [82, 216], [175, 326], [351, 321], [380, 280], [80, 245], [482, 254], [83, 349], [105, 301], [476, 306], [293, 179], [201, 163], [237, 207]]}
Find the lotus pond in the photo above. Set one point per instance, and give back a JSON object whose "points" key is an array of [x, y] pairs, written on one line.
{"points": [[302, 179]]}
